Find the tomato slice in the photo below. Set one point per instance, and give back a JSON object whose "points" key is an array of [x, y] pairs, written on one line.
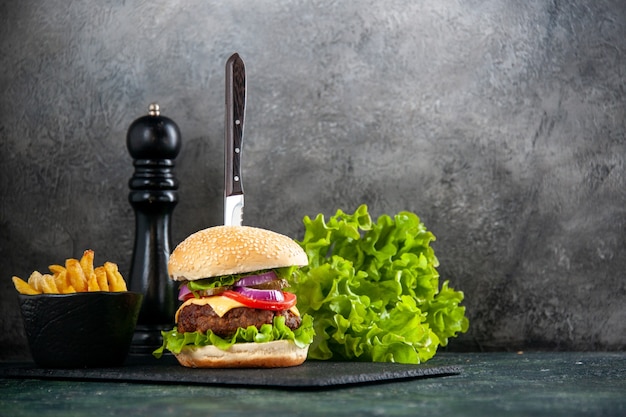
{"points": [[290, 301], [187, 297]]}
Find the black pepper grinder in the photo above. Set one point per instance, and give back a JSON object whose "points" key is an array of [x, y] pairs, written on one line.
{"points": [[154, 142]]}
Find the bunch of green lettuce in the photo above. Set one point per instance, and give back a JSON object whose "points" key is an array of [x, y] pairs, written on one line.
{"points": [[373, 290]]}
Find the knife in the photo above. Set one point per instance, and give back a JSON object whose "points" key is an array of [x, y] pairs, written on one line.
{"points": [[235, 112]]}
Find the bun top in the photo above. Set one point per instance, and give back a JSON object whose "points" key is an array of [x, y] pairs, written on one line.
{"points": [[225, 250]]}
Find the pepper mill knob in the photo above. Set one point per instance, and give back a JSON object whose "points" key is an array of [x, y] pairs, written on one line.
{"points": [[153, 141], [153, 136]]}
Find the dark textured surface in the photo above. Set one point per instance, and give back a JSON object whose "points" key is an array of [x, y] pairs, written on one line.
{"points": [[501, 123], [491, 384], [310, 375]]}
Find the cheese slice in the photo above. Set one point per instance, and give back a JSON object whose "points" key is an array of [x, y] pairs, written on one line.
{"points": [[220, 304]]}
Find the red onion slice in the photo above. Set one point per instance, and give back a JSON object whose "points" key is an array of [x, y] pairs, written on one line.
{"points": [[183, 292], [252, 280], [263, 295]]}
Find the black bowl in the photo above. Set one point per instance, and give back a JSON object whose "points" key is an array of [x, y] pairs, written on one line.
{"points": [[80, 330]]}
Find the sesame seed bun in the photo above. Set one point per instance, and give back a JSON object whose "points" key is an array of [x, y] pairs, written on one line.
{"points": [[225, 250]]}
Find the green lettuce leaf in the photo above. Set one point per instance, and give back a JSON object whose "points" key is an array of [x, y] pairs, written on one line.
{"points": [[302, 336], [229, 280], [373, 289]]}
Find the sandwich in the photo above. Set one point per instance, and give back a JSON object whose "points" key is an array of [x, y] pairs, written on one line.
{"points": [[236, 309]]}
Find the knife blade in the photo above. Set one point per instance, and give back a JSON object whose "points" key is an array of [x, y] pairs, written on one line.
{"points": [[234, 123]]}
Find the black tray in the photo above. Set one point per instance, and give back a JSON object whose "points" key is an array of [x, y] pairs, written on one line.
{"points": [[309, 375]]}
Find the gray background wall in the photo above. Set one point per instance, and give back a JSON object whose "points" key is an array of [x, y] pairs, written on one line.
{"points": [[501, 123]]}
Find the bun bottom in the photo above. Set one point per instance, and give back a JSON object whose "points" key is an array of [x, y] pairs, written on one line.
{"points": [[276, 354]]}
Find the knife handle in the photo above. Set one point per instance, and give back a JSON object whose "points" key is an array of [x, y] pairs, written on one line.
{"points": [[233, 177], [235, 113]]}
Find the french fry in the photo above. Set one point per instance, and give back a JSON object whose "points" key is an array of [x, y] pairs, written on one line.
{"points": [[75, 275], [24, 287], [56, 269], [35, 281], [86, 263], [60, 279], [115, 279], [48, 285], [92, 283], [101, 277]]}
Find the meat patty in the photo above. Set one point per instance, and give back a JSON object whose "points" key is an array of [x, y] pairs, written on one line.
{"points": [[202, 318]]}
